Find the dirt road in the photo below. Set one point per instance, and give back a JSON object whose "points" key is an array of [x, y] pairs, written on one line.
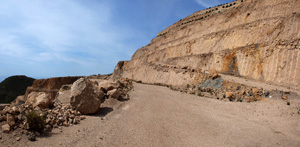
{"points": [[157, 116]]}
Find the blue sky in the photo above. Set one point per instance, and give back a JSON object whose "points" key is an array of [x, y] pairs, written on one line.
{"points": [[44, 39]]}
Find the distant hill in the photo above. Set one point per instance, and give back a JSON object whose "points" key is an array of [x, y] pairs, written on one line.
{"points": [[14, 86]]}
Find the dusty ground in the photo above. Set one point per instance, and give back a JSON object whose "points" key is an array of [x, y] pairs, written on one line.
{"points": [[157, 116]]}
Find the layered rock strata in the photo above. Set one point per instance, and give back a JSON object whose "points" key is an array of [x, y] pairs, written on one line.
{"points": [[254, 39]]}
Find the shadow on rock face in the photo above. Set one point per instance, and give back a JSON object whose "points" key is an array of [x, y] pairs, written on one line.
{"points": [[103, 111]]}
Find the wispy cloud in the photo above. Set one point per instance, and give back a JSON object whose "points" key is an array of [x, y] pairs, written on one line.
{"points": [[62, 31], [208, 3]]}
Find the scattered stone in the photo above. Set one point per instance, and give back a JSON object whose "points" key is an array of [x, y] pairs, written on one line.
{"points": [[115, 93], [48, 128], [10, 119], [255, 90], [5, 128], [18, 138], [26, 126], [228, 94], [65, 124], [32, 137], [2, 118], [61, 119], [284, 97], [107, 86], [82, 117], [20, 117], [213, 74], [267, 94]]}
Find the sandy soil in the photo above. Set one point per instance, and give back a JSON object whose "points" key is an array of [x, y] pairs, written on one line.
{"points": [[157, 116]]}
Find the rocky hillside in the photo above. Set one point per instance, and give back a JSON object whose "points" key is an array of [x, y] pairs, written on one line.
{"points": [[14, 86], [253, 39]]}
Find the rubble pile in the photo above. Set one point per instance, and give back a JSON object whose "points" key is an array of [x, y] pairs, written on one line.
{"points": [[57, 114], [218, 88]]}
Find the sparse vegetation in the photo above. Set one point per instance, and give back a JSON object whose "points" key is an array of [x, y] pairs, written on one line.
{"points": [[35, 121]]}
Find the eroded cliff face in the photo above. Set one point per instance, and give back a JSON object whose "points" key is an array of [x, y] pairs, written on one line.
{"points": [[254, 39]]}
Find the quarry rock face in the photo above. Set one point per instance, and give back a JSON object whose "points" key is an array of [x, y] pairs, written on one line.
{"points": [[49, 87], [84, 97], [253, 39]]}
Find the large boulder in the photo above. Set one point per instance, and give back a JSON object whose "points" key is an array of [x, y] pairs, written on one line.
{"points": [[39, 99], [85, 98]]}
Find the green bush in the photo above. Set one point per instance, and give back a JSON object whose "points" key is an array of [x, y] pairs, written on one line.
{"points": [[35, 121]]}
